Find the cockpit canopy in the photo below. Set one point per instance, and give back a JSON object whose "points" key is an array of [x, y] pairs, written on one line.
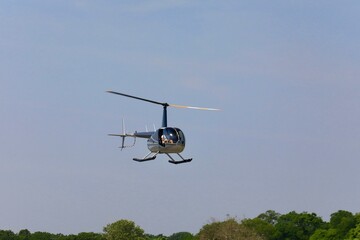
{"points": [[170, 135], [167, 140]]}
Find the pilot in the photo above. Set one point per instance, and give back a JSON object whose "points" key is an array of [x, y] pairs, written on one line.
{"points": [[171, 138], [163, 139]]}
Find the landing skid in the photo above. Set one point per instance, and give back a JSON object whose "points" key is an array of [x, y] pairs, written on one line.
{"points": [[149, 157], [178, 162]]}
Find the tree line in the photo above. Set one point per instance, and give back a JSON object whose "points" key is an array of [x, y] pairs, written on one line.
{"points": [[343, 225]]}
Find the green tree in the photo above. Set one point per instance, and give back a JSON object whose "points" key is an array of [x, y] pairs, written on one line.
{"points": [[155, 237], [324, 234], [297, 226], [181, 236], [89, 236], [7, 235], [342, 221], [64, 237], [124, 230], [260, 226], [228, 229], [357, 218], [270, 216], [42, 236], [354, 234], [24, 234]]}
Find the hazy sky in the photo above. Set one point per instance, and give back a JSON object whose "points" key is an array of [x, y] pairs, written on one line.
{"points": [[285, 74]]}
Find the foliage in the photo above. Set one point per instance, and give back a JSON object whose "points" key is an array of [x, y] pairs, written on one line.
{"points": [[123, 230], [7, 235], [270, 216], [89, 236], [323, 234], [357, 218], [341, 222], [181, 236], [155, 237], [354, 234], [265, 229], [24, 234], [266, 226], [297, 226], [228, 229], [42, 236]]}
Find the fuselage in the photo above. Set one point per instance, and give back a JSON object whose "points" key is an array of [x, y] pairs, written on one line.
{"points": [[167, 140]]}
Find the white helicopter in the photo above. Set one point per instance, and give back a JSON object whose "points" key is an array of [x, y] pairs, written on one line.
{"points": [[165, 140]]}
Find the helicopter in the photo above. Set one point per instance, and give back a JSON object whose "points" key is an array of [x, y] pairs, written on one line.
{"points": [[165, 140]]}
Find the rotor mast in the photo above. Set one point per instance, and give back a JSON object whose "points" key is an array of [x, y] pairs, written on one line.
{"points": [[164, 120]]}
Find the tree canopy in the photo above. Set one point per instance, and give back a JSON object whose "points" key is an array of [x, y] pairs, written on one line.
{"points": [[269, 225], [228, 229], [123, 230]]}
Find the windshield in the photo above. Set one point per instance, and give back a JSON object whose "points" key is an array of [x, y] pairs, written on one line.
{"points": [[171, 135], [181, 135]]}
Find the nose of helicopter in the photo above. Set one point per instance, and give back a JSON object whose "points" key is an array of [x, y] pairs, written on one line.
{"points": [[167, 140]]}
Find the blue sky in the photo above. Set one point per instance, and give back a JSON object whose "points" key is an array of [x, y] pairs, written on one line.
{"points": [[284, 74]]}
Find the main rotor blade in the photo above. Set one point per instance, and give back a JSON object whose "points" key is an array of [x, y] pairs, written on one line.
{"points": [[138, 98], [197, 108], [163, 104]]}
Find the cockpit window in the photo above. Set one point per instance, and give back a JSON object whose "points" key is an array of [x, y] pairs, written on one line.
{"points": [[171, 135], [181, 135], [168, 136]]}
